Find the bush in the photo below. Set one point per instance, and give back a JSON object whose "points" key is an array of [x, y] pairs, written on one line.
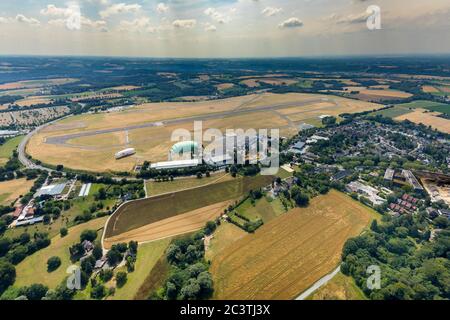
{"points": [[89, 235], [7, 275], [34, 292], [106, 275], [98, 292], [53, 263], [121, 278], [63, 232]]}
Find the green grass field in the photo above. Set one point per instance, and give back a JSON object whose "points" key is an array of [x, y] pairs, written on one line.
{"points": [[263, 209], [6, 150], [405, 108], [140, 213], [148, 256], [34, 268]]}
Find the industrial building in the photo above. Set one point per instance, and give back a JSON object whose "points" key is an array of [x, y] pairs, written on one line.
{"points": [[184, 150], [367, 191], [51, 190], [389, 174], [178, 164], [412, 180]]}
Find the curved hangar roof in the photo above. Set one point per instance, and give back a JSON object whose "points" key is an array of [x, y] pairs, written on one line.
{"points": [[184, 147]]}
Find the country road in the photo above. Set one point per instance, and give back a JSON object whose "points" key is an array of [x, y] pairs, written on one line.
{"points": [[323, 281], [22, 154]]}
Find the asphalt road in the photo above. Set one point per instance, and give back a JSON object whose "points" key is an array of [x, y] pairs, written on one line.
{"points": [[323, 281]]}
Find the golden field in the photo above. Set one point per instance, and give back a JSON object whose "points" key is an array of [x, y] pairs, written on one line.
{"points": [[11, 190], [427, 118], [290, 253]]}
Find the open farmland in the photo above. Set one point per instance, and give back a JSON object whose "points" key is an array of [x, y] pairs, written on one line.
{"points": [[157, 188], [287, 255], [89, 142], [170, 227], [427, 118], [28, 84], [144, 212], [11, 190]]}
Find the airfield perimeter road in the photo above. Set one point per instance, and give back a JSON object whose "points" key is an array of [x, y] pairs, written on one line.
{"points": [[62, 140], [23, 144]]}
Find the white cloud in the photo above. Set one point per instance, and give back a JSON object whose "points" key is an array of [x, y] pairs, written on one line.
{"points": [[209, 27], [271, 11], [185, 24], [217, 16], [138, 25], [31, 21], [162, 8], [291, 23], [120, 8]]}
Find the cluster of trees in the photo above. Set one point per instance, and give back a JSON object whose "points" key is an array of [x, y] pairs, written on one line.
{"points": [[114, 256], [36, 186], [17, 249], [310, 182], [13, 251], [149, 173], [11, 168], [132, 190], [412, 265], [189, 277]]}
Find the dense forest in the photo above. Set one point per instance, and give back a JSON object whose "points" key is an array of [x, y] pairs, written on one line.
{"points": [[413, 264]]}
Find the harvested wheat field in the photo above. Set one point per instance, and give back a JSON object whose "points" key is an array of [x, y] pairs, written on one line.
{"points": [[429, 89], [287, 255], [178, 225], [427, 118], [11, 190]]}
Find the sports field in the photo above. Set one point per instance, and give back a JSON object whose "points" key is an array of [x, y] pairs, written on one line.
{"points": [[13, 189], [144, 212], [89, 142], [287, 255]]}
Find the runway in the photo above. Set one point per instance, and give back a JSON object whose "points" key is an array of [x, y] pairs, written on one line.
{"points": [[63, 140]]}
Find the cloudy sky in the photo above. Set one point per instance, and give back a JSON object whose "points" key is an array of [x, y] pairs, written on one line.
{"points": [[222, 28]]}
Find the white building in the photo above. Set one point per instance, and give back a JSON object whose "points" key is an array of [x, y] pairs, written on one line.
{"points": [[179, 164]]}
